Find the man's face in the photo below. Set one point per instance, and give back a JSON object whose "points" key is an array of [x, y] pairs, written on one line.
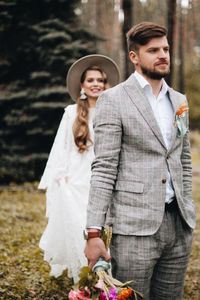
{"points": [[152, 60]]}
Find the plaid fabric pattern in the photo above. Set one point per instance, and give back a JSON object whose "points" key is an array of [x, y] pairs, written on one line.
{"points": [[157, 263], [131, 162]]}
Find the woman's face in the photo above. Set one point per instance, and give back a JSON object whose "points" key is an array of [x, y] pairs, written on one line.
{"points": [[94, 84]]}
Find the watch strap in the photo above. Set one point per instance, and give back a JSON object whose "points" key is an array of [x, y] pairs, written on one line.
{"points": [[91, 234], [94, 234]]}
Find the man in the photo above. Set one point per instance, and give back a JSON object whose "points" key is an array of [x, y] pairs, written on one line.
{"points": [[142, 173]]}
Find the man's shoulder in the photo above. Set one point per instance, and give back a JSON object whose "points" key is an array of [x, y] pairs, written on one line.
{"points": [[113, 90], [120, 87], [177, 96], [171, 90]]}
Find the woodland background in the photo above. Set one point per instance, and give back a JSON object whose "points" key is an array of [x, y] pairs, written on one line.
{"points": [[39, 40]]}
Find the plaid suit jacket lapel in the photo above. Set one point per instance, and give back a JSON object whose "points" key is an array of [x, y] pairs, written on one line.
{"points": [[138, 98]]}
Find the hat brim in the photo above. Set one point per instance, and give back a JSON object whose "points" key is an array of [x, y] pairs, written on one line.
{"points": [[75, 72]]}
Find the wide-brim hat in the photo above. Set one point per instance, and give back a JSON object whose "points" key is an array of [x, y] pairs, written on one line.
{"points": [[75, 72]]}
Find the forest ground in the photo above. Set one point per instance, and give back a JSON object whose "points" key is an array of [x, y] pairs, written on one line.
{"points": [[24, 274]]}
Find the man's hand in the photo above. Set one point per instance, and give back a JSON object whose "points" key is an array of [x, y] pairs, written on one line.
{"points": [[94, 249]]}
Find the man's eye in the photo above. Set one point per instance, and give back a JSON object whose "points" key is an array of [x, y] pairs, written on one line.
{"points": [[152, 50]]}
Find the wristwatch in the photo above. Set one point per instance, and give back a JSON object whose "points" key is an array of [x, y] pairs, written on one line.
{"points": [[91, 234]]}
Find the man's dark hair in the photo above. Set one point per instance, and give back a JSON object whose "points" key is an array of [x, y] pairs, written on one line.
{"points": [[142, 33]]}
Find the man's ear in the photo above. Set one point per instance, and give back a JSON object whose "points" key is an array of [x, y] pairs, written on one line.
{"points": [[133, 57]]}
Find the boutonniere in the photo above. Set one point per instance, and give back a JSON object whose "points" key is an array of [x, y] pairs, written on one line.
{"points": [[181, 119]]}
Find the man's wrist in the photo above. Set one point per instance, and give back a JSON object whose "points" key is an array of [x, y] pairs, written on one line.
{"points": [[90, 233]]}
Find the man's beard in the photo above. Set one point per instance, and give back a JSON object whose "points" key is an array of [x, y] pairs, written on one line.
{"points": [[153, 74]]}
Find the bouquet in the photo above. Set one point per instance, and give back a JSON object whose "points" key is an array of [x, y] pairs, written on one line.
{"points": [[98, 284]]}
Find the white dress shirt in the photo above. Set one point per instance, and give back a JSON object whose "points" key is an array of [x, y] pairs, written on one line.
{"points": [[163, 112]]}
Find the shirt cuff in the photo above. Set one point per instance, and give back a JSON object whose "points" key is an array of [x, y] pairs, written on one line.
{"points": [[95, 227]]}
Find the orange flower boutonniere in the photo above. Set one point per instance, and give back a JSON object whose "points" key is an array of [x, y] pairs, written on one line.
{"points": [[181, 119], [182, 110]]}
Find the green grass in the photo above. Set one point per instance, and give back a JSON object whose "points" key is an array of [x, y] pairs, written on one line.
{"points": [[24, 274]]}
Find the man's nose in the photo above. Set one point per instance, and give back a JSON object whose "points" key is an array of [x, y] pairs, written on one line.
{"points": [[162, 53]]}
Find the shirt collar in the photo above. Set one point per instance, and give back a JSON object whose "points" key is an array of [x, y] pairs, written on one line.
{"points": [[144, 83]]}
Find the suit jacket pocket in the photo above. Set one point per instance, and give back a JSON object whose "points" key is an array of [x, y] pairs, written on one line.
{"points": [[130, 186]]}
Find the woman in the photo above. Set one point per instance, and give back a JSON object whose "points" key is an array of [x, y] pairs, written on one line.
{"points": [[67, 174]]}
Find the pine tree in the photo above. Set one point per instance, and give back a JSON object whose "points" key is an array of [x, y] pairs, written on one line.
{"points": [[39, 40]]}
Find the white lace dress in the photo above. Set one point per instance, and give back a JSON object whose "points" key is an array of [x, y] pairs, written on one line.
{"points": [[66, 179]]}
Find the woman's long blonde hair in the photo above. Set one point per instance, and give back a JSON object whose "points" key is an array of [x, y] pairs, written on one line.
{"points": [[80, 127]]}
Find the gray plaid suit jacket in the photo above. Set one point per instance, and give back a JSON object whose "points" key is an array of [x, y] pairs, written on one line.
{"points": [[131, 160]]}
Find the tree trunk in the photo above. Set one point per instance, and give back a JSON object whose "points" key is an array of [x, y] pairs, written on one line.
{"points": [[127, 6], [181, 75], [171, 21]]}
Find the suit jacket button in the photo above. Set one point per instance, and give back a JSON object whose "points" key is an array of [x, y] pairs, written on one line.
{"points": [[164, 180]]}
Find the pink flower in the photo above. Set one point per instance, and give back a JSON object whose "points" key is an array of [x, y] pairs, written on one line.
{"points": [[112, 293], [102, 296], [100, 284], [79, 295]]}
